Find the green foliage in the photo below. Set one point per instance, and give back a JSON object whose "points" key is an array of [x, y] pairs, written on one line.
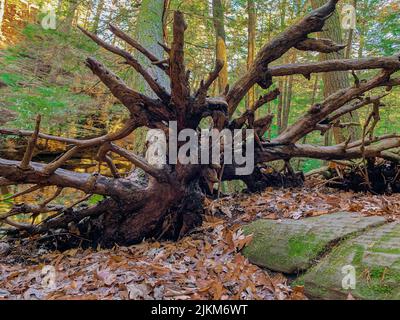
{"points": [[50, 102], [94, 199], [10, 79]]}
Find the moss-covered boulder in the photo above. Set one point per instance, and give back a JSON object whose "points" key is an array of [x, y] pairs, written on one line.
{"points": [[375, 256], [294, 245]]}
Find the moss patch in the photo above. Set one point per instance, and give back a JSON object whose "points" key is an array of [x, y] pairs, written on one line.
{"points": [[376, 259], [292, 246]]}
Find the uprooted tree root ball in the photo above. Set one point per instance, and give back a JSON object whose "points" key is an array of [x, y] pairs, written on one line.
{"points": [[166, 202], [377, 176]]}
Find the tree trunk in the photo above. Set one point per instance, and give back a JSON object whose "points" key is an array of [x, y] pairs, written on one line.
{"points": [[70, 11], [150, 31], [251, 47], [287, 102], [334, 81], [350, 37], [2, 9], [281, 86], [220, 43], [96, 19]]}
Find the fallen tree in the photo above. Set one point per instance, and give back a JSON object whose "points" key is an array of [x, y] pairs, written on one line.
{"points": [[166, 201]]}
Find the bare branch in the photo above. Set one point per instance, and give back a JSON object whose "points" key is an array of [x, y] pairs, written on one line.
{"points": [[130, 98], [180, 90], [270, 96], [324, 153], [122, 35], [31, 146], [5, 182], [165, 47], [130, 60], [319, 45], [352, 107], [249, 114], [319, 112], [201, 94], [54, 196], [102, 156], [96, 184], [307, 69], [128, 128], [159, 174], [262, 125], [23, 192]]}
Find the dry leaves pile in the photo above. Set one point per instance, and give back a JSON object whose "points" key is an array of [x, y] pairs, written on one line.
{"points": [[204, 265]]}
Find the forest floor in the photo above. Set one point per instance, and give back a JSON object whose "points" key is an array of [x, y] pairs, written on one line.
{"points": [[207, 264]]}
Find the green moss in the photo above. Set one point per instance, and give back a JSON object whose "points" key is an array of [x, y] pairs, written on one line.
{"points": [[372, 282], [304, 245], [386, 250]]}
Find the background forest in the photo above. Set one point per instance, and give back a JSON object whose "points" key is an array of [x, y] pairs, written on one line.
{"points": [[43, 70]]}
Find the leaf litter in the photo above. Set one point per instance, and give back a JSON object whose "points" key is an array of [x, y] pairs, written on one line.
{"points": [[206, 264]]}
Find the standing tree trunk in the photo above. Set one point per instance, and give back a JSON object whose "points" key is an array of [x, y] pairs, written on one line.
{"points": [[251, 46], [150, 31], [69, 15], [281, 86], [334, 81], [350, 37], [282, 82], [287, 101], [220, 43], [2, 9], [97, 17]]}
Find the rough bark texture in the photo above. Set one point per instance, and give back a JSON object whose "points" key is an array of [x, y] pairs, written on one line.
{"points": [[166, 201]]}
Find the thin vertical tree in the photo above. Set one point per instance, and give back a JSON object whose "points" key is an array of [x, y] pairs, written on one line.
{"points": [[251, 46], [220, 43], [2, 9]]}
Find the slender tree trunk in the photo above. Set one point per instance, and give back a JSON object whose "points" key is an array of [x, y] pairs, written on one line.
{"points": [[96, 20], [334, 81], [2, 8], [70, 11], [350, 37], [281, 86], [362, 43], [287, 100], [313, 99], [220, 45], [251, 46]]}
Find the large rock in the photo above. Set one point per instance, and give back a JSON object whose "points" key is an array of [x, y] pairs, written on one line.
{"points": [[291, 246], [375, 256]]}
